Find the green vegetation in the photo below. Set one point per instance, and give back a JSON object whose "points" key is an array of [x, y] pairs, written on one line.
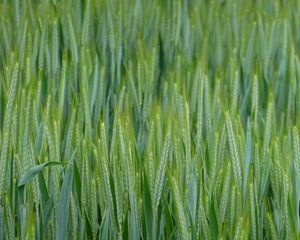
{"points": [[149, 119]]}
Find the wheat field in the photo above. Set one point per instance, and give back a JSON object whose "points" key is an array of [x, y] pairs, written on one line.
{"points": [[149, 119]]}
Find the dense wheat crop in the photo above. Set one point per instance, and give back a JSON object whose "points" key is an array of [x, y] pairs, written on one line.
{"points": [[149, 119]]}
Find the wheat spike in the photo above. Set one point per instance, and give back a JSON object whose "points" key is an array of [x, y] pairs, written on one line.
{"points": [[225, 194], [160, 174], [182, 225], [6, 127], [233, 153]]}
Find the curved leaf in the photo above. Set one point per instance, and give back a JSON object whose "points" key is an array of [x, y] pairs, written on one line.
{"points": [[32, 172]]}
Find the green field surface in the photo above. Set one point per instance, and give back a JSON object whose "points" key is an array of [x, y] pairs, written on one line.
{"points": [[149, 119]]}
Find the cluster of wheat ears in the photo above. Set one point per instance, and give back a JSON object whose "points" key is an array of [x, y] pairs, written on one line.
{"points": [[149, 119]]}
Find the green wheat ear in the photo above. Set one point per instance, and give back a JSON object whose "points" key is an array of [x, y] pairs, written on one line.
{"points": [[233, 152], [182, 225], [296, 147], [160, 174], [225, 194], [6, 127]]}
